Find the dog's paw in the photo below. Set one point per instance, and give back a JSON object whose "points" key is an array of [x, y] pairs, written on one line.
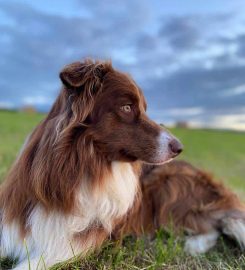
{"points": [[201, 243]]}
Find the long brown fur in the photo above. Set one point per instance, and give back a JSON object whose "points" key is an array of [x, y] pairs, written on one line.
{"points": [[40, 175], [181, 195]]}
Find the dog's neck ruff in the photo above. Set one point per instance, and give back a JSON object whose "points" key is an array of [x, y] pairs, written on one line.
{"points": [[110, 201]]}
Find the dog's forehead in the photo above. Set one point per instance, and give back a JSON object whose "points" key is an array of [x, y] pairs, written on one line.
{"points": [[132, 87], [121, 84]]}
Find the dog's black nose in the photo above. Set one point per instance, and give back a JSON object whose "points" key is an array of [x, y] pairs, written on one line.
{"points": [[175, 147]]}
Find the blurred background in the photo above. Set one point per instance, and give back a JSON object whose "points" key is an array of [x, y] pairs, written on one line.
{"points": [[188, 56]]}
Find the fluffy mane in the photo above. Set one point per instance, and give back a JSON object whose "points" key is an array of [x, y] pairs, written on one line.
{"points": [[47, 169]]}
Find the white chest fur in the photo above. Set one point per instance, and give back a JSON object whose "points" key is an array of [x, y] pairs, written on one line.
{"points": [[112, 201]]}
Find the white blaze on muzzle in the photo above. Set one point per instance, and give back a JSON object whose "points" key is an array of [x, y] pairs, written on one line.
{"points": [[168, 147]]}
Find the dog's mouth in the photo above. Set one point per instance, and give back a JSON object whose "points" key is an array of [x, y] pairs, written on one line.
{"points": [[152, 161], [159, 163]]}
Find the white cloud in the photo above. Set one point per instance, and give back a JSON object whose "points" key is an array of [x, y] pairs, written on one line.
{"points": [[192, 111], [239, 90], [37, 100], [234, 121], [6, 105]]}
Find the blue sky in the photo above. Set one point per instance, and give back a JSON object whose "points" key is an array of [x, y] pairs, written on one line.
{"points": [[187, 56]]}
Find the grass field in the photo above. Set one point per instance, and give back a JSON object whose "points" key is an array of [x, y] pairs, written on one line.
{"points": [[222, 153]]}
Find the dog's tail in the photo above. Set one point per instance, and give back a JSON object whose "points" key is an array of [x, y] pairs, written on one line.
{"points": [[233, 225]]}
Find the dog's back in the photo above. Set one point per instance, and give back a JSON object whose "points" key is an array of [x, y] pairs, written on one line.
{"points": [[190, 200]]}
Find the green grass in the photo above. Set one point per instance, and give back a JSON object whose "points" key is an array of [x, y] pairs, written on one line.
{"points": [[14, 127], [220, 152]]}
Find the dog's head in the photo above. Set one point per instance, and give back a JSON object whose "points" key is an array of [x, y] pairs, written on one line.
{"points": [[110, 107]]}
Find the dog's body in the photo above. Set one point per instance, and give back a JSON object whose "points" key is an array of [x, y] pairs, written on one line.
{"points": [[179, 195], [78, 173]]}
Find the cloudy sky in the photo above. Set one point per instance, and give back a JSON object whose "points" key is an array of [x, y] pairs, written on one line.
{"points": [[188, 56]]}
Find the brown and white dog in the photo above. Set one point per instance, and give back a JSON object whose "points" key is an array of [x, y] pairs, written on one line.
{"points": [[78, 173], [188, 199]]}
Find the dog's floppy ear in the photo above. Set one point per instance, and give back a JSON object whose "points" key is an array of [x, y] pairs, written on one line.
{"points": [[75, 75], [85, 80]]}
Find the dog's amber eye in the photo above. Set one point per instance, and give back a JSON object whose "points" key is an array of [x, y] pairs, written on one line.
{"points": [[126, 108]]}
